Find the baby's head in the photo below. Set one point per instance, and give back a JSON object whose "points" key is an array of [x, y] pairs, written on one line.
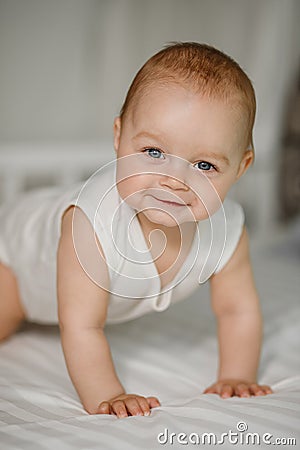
{"points": [[201, 69], [188, 101]]}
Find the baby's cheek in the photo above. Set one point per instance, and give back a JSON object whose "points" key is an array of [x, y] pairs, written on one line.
{"points": [[127, 188], [132, 195], [205, 206], [207, 195]]}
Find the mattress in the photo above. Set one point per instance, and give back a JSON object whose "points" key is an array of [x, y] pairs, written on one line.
{"points": [[171, 355]]}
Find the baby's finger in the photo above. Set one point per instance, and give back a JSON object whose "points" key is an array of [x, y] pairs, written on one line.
{"points": [[256, 390], [266, 389], [210, 390], [153, 402], [226, 391], [104, 408], [216, 388], [133, 406], [242, 390], [144, 406], [119, 408]]}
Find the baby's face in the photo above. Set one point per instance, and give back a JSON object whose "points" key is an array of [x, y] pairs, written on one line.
{"points": [[179, 154]]}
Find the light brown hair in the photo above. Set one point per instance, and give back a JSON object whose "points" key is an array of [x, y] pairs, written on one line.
{"points": [[202, 68]]}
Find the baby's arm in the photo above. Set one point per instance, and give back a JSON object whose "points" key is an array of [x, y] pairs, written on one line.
{"points": [[82, 310], [236, 306]]}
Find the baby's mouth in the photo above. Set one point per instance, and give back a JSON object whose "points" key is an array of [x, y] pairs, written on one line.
{"points": [[168, 202]]}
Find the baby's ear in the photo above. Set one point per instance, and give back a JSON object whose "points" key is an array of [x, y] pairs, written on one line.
{"points": [[245, 163], [117, 133]]}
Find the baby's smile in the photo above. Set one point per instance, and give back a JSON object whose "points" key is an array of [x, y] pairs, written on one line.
{"points": [[169, 202]]}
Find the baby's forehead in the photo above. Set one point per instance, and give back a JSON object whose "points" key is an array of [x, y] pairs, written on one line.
{"points": [[151, 96], [151, 115], [170, 86]]}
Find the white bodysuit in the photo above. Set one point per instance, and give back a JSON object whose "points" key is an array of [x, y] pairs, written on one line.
{"points": [[30, 228]]}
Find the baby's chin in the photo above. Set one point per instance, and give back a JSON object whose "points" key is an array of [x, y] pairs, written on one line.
{"points": [[165, 219], [160, 217]]}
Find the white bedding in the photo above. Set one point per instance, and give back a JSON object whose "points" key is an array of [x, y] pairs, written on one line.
{"points": [[171, 355]]}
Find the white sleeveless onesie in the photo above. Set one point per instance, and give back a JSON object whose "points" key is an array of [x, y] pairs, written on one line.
{"points": [[30, 228]]}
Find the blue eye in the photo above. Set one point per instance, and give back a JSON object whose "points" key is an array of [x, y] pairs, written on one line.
{"points": [[154, 153], [204, 165]]}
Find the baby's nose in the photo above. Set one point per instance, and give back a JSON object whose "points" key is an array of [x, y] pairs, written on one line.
{"points": [[174, 183]]}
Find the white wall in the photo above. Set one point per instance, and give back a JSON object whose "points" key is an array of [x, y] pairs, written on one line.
{"points": [[67, 64]]}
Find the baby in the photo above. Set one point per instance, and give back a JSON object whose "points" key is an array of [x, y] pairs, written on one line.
{"points": [[145, 230]]}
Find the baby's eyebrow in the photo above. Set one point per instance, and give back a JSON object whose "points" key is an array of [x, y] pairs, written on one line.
{"points": [[146, 134], [217, 156]]}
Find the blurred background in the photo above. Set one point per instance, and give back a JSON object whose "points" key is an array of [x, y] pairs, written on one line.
{"points": [[66, 66]]}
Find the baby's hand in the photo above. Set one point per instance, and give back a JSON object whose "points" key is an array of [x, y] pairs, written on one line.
{"points": [[123, 404], [240, 388]]}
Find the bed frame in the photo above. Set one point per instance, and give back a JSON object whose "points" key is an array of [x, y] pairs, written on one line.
{"points": [[28, 166]]}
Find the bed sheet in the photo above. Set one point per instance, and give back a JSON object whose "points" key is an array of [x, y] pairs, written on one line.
{"points": [[172, 355]]}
